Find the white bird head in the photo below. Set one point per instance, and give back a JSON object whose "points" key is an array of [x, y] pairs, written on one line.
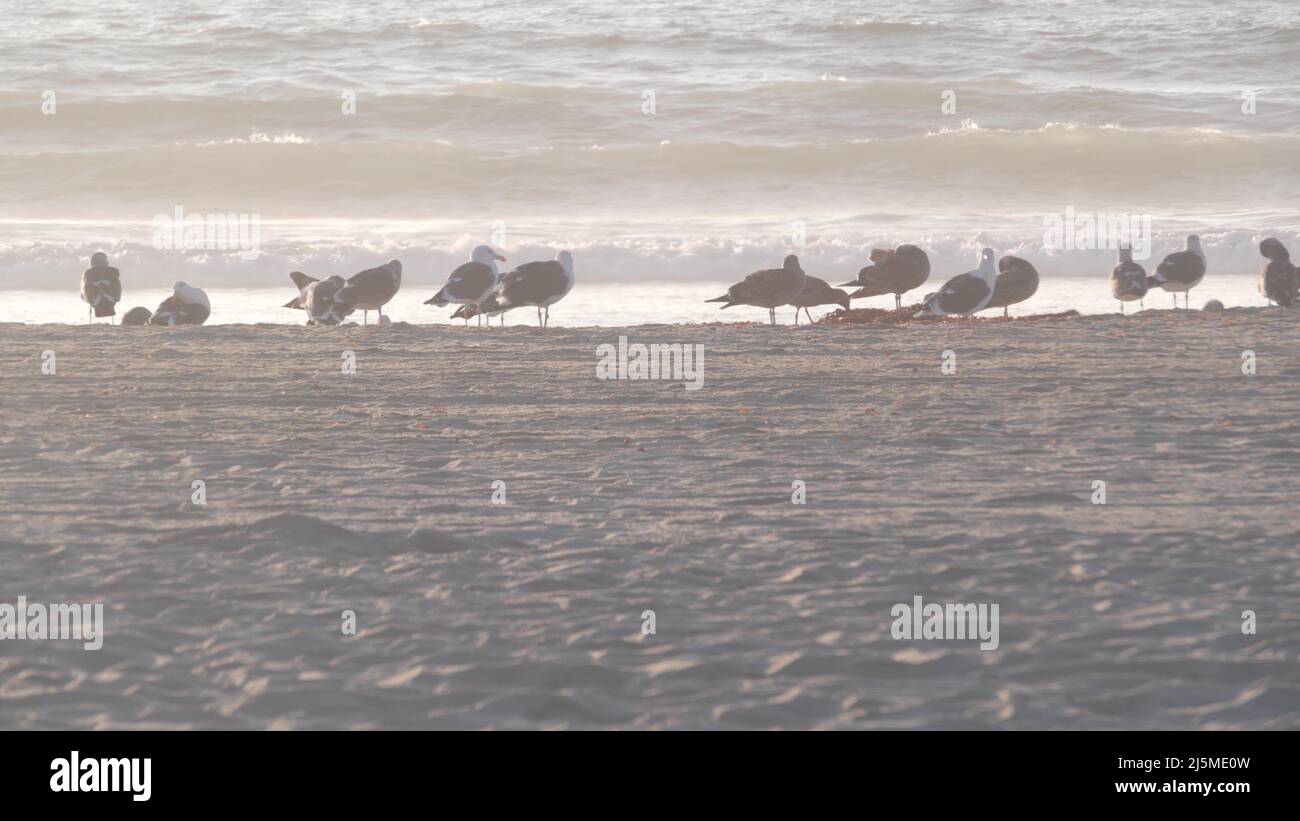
{"points": [[190, 295], [1193, 242], [987, 267], [99, 258], [566, 262], [485, 255], [396, 267]]}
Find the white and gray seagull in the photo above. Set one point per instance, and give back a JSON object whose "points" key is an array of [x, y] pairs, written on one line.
{"points": [[965, 293], [472, 282]]}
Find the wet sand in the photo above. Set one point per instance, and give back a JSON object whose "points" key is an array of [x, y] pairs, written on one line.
{"points": [[373, 492]]}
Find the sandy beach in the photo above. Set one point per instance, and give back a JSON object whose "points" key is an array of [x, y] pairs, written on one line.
{"points": [[373, 492]]}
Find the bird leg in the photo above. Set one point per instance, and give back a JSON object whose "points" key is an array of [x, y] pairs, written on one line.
{"points": [[548, 316], [1004, 312]]}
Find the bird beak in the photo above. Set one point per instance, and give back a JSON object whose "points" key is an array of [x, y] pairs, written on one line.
{"points": [[500, 258]]}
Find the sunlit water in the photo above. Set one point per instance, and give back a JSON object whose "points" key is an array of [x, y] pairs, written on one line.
{"points": [[673, 141]]}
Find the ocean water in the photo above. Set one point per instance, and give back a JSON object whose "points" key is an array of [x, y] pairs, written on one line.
{"points": [[682, 142]]}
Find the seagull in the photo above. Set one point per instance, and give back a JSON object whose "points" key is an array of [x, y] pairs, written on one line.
{"points": [[469, 311], [1181, 270], [534, 283], [1278, 280], [319, 298], [817, 291], [965, 293], [136, 316], [101, 286], [1017, 282], [768, 289], [892, 272], [1129, 280], [186, 306], [472, 282], [371, 289]]}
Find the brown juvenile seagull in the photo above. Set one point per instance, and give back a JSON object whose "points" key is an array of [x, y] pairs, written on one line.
{"points": [[371, 289], [768, 289], [1016, 282], [892, 272], [817, 291], [541, 284], [1277, 282]]}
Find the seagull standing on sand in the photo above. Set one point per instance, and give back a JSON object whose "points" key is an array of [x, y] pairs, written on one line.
{"points": [[186, 306], [472, 282], [534, 283], [1129, 280], [768, 289], [892, 272], [1181, 270], [965, 293], [371, 289], [1017, 282], [101, 286], [1278, 280], [817, 291]]}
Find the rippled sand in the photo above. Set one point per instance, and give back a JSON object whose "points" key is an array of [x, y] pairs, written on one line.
{"points": [[373, 493]]}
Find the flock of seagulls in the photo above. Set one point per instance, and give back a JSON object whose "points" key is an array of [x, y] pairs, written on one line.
{"points": [[480, 289], [1010, 281]]}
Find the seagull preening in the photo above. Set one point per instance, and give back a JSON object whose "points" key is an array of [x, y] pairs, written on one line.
{"points": [[892, 272], [101, 286], [319, 298], [541, 284], [371, 289], [817, 291], [1278, 281], [1016, 282], [965, 293], [1129, 280], [1181, 270], [186, 306], [472, 282], [770, 288]]}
